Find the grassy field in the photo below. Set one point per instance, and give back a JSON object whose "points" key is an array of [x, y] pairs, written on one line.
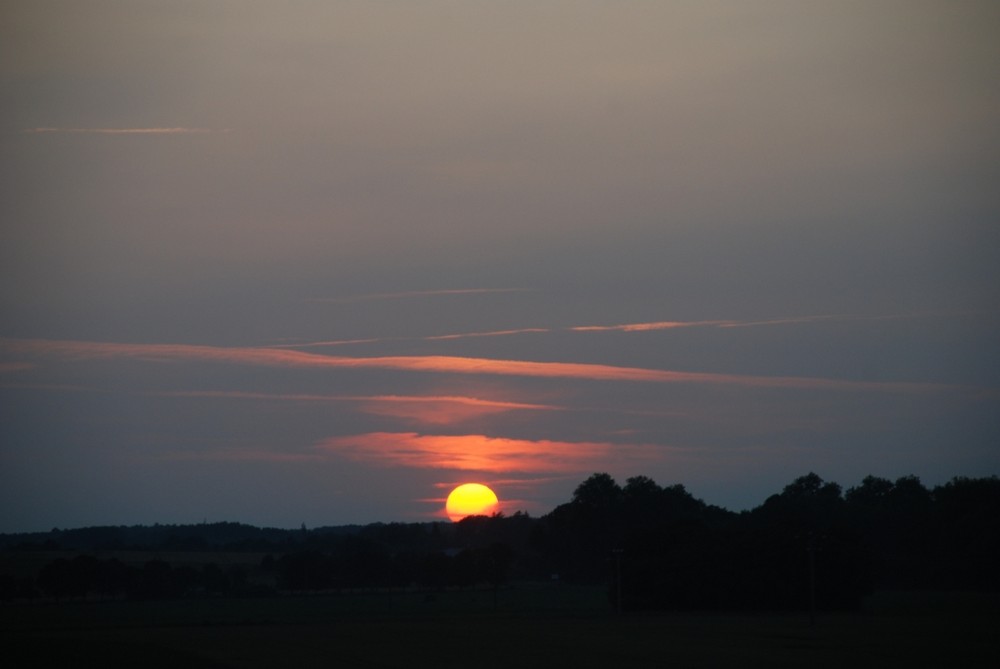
{"points": [[530, 626]]}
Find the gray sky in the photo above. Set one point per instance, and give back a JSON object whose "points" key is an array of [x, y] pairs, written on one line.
{"points": [[284, 262]]}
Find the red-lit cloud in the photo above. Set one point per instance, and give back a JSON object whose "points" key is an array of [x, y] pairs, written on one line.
{"points": [[476, 452]]}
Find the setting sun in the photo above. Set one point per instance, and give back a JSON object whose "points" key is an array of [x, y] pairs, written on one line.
{"points": [[470, 499]]}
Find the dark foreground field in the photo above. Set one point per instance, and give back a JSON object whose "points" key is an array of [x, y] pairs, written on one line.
{"points": [[528, 626]]}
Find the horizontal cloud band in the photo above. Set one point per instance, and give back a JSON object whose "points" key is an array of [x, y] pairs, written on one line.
{"points": [[433, 409], [272, 357], [476, 452]]}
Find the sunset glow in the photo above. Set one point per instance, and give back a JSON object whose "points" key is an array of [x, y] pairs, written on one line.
{"points": [[470, 499], [478, 452]]}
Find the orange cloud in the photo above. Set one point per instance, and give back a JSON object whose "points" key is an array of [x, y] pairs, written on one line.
{"points": [[645, 327], [476, 452], [519, 482], [443, 410], [442, 364], [83, 350]]}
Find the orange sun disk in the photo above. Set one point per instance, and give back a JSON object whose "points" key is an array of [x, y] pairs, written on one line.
{"points": [[470, 499]]}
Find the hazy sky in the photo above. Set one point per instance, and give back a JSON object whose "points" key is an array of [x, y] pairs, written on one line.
{"points": [[319, 261]]}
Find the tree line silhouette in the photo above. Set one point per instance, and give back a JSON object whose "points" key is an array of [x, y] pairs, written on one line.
{"points": [[655, 547]]}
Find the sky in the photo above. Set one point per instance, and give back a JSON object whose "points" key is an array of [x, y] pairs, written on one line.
{"points": [[320, 261]]}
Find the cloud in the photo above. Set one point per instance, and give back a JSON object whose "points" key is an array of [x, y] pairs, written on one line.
{"points": [[797, 320], [443, 410], [126, 131], [448, 365], [415, 294], [645, 327], [642, 326], [671, 325], [476, 452], [334, 342], [8, 367], [468, 452], [55, 387], [528, 482], [494, 333], [428, 409], [232, 455]]}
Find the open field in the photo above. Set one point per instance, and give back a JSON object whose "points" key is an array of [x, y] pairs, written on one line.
{"points": [[530, 626], [21, 563]]}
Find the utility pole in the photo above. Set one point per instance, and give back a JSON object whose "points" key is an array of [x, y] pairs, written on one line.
{"points": [[812, 579], [618, 576]]}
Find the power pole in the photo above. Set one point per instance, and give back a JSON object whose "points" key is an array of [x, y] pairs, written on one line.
{"points": [[618, 576], [812, 580]]}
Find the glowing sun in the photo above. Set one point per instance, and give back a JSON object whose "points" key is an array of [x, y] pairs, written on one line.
{"points": [[470, 499]]}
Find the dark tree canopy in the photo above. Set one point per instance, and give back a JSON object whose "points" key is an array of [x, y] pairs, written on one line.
{"points": [[664, 549]]}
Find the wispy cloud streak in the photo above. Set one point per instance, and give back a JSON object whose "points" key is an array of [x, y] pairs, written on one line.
{"points": [[476, 452], [799, 320], [518, 482], [464, 452], [414, 294], [643, 326], [126, 131], [646, 327], [672, 325], [334, 342], [494, 333], [237, 455], [9, 367], [443, 410], [442, 364], [428, 409]]}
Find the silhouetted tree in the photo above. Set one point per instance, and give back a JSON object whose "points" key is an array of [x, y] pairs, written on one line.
{"points": [[598, 493], [676, 552], [897, 523], [969, 542]]}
